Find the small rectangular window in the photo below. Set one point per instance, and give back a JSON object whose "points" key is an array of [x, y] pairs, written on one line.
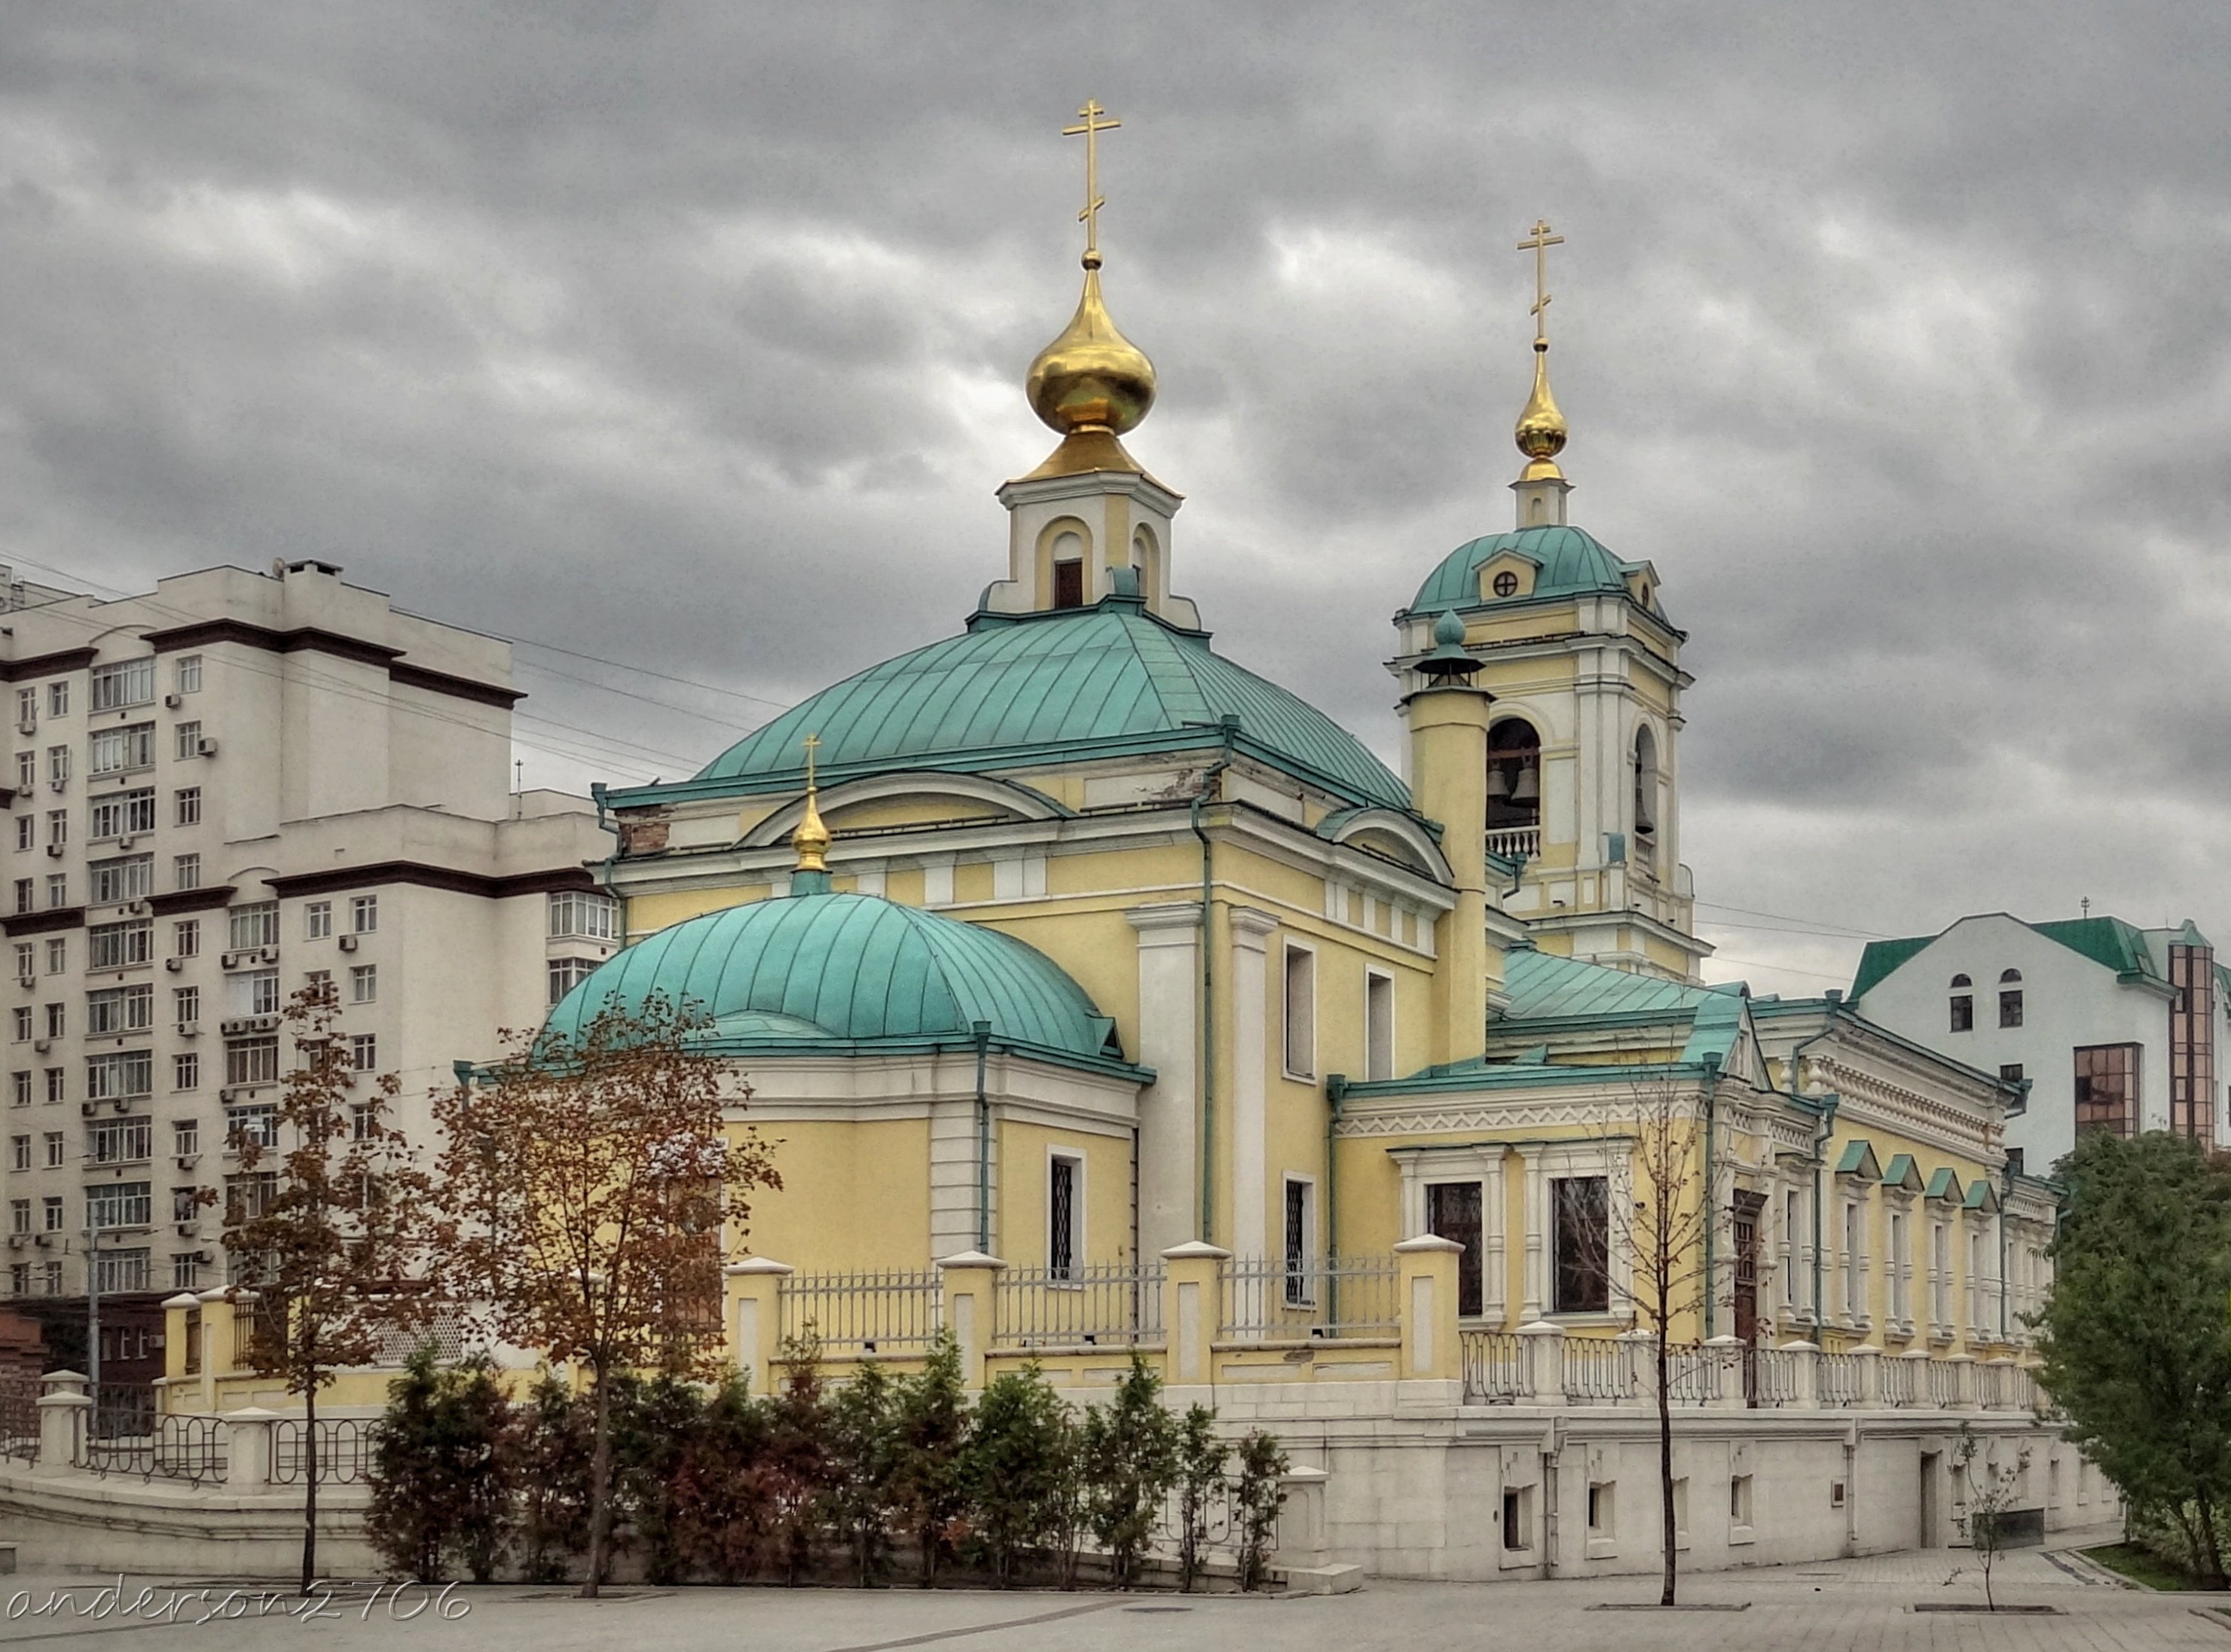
{"points": [[58, 826], [190, 673], [186, 1074], [185, 871], [19, 1091], [187, 806], [1301, 1246], [186, 740], [1065, 1209], [1580, 1208], [27, 706], [2010, 1008], [1301, 1012], [1963, 1012], [2107, 1087], [57, 1150], [58, 699], [27, 771], [185, 1005], [57, 1086], [26, 831], [2011, 1072], [58, 766], [363, 983], [187, 938], [1378, 1025], [1068, 584], [581, 914], [1452, 1212], [364, 1052], [57, 890], [317, 920], [566, 973], [1517, 1518], [185, 1135], [364, 914]]}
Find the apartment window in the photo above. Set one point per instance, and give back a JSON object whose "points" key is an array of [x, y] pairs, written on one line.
{"points": [[185, 1136], [50, 1213], [1301, 1009], [19, 1278], [364, 1052], [58, 826], [255, 993], [57, 955], [119, 1205], [579, 914], [187, 938], [128, 877], [58, 766], [363, 1115], [120, 945], [123, 813], [190, 673], [1580, 1211], [115, 1010], [185, 1204], [1963, 1003], [1452, 1212], [19, 1215], [185, 1006], [254, 926], [186, 1071], [26, 831], [317, 920], [320, 982], [255, 1122], [57, 1020], [19, 1089], [128, 682], [57, 891], [1378, 1025], [251, 1061], [1739, 1505], [2010, 1072], [2010, 999], [364, 983], [185, 871], [566, 973], [1301, 1248], [27, 967], [57, 1086], [364, 914], [57, 1146], [186, 806], [1064, 1215], [21, 1147], [186, 1276], [2107, 1087], [187, 737], [58, 699], [116, 750], [123, 1141], [247, 1198], [127, 1075], [26, 895], [22, 1022], [27, 771], [27, 706]]}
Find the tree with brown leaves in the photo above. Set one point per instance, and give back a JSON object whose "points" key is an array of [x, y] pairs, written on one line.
{"points": [[591, 1188], [328, 1237]]}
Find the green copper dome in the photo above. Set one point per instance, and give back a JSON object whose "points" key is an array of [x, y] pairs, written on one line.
{"points": [[1008, 693], [1567, 562], [820, 970]]}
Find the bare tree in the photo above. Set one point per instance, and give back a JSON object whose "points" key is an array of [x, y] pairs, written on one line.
{"points": [[328, 1237], [1990, 1492], [588, 1178]]}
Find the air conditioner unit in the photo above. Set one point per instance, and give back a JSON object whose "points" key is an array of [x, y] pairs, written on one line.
{"points": [[197, 1255], [174, 964], [125, 842], [27, 980], [189, 1229], [18, 1241], [54, 851], [348, 943], [122, 1104], [206, 748], [58, 785], [87, 1109], [187, 1161], [230, 960], [189, 1029], [43, 1240], [269, 955], [27, 726], [232, 1026], [42, 1045], [135, 907], [226, 1097], [172, 702]]}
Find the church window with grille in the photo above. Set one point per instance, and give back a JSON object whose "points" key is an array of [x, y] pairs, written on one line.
{"points": [[1580, 1207], [1064, 1215], [1452, 1212]]}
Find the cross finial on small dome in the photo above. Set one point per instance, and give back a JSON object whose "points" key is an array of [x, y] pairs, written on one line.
{"points": [[810, 840]]}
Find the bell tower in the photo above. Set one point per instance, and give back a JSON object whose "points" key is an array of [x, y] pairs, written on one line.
{"points": [[1580, 791]]}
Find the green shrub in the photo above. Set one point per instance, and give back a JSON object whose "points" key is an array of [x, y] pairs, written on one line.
{"points": [[930, 1415], [1200, 1460], [1019, 1473], [1129, 1460], [1256, 1502], [443, 1482]]}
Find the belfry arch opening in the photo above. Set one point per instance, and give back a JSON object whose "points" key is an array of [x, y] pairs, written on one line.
{"points": [[1514, 777], [1646, 795]]}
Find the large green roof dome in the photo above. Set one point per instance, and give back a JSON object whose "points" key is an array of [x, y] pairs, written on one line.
{"points": [[1045, 688], [817, 969], [1568, 563]]}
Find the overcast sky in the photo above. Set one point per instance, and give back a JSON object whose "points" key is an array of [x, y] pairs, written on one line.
{"points": [[692, 337]]}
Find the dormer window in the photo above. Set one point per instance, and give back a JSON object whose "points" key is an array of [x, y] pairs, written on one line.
{"points": [[1514, 774], [1506, 583], [1963, 1005]]}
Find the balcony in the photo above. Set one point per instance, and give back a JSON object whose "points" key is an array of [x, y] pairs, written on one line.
{"points": [[1515, 842]]}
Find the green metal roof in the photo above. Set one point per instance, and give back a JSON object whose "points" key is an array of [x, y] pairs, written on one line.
{"points": [[1567, 560], [1011, 691], [1882, 957], [1542, 986], [1859, 1160], [1903, 1172], [2120, 946], [814, 971], [1944, 1184]]}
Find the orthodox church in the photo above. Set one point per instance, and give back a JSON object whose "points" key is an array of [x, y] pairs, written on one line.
{"points": [[1070, 939]]}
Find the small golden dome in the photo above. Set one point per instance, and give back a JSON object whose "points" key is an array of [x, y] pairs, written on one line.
{"points": [[1540, 432], [1091, 379], [810, 840]]}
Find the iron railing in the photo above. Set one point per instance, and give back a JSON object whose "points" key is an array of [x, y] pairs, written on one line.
{"points": [[1108, 1303], [1272, 1299], [19, 1416], [1598, 1369], [123, 1410], [192, 1449], [866, 1312], [343, 1449], [1694, 1374], [1494, 1367]]}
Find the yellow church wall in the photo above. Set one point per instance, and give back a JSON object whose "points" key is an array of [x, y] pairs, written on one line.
{"points": [[885, 813], [1172, 866], [1025, 1148], [971, 880], [855, 1194], [648, 914], [1506, 625], [903, 885]]}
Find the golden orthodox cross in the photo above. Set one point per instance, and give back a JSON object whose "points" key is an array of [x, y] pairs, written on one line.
{"points": [[1089, 129], [812, 744], [1538, 241]]}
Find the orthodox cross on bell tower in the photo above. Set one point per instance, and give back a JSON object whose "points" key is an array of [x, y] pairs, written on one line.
{"points": [[1538, 241], [1090, 128]]}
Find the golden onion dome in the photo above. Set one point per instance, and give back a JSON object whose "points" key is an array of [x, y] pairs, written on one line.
{"points": [[810, 839], [1091, 379], [1540, 432]]}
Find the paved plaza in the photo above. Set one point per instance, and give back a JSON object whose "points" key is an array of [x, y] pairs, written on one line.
{"points": [[1857, 1605]]}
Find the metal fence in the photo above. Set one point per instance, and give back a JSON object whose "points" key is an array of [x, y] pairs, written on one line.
{"points": [[1839, 1380], [1494, 1367], [19, 1416], [1694, 1375], [192, 1449], [344, 1449], [123, 1410], [1598, 1369], [871, 1311], [1114, 1304], [1272, 1298]]}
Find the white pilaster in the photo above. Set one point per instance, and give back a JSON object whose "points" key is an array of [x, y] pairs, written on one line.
{"points": [[1250, 933], [1169, 1041]]}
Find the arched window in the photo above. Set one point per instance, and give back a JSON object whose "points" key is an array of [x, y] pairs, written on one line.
{"points": [[1646, 784], [2009, 976], [1514, 774], [1963, 1005]]}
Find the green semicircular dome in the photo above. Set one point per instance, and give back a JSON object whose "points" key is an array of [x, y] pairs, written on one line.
{"points": [[1051, 688], [1569, 562], [848, 968]]}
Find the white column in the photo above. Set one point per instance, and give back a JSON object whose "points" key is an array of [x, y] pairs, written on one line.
{"points": [[1250, 1235], [1169, 1041], [1536, 1218]]}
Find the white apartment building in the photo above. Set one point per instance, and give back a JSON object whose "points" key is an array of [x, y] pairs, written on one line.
{"points": [[2112, 1027], [219, 792]]}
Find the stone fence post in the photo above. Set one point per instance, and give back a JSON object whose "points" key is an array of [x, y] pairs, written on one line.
{"points": [[1804, 1373], [2000, 1393], [1963, 1367], [1301, 1535], [65, 1421], [217, 1341], [1870, 1358], [1727, 1353], [248, 1449], [1193, 1309], [755, 1318], [1427, 1308], [968, 1283], [1545, 1361]]}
